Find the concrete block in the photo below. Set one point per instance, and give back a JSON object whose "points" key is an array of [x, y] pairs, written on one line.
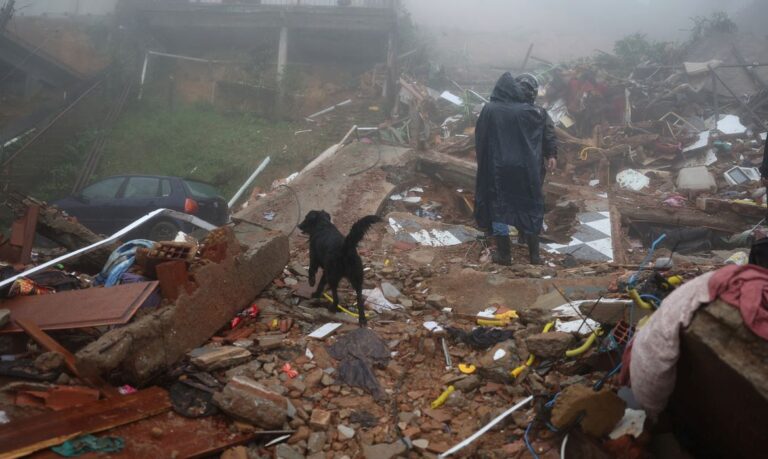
{"points": [[222, 357], [696, 179], [149, 345]]}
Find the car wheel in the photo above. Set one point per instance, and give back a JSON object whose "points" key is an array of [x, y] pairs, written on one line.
{"points": [[163, 231]]}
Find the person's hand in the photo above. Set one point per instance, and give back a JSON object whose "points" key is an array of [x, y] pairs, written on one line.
{"points": [[551, 164]]}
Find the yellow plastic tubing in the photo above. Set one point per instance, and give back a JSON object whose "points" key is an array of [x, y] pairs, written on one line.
{"points": [[583, 348], [635, 295], [443, 397], [531, 358]]}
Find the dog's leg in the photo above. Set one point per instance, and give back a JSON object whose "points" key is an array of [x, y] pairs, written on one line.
{"points": [[320, 287], [313, 265], [335, 292], [357, 284]]}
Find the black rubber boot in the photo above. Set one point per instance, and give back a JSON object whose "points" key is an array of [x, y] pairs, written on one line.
{"points": [[503, 254], [533, 249]]}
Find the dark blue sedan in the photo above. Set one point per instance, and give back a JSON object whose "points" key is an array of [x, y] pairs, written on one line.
{"points": [[113, 203]]}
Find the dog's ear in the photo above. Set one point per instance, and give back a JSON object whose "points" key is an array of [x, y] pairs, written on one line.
{"points": [[323, 215], [309, 220]]}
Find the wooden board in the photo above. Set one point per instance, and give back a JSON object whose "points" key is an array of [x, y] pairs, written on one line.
{"points": [[91, 307], [189, 438], [36, 433], [51, 345]]}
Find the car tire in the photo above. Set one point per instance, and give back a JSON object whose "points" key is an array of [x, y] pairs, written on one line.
{"points": [[163, 231]]}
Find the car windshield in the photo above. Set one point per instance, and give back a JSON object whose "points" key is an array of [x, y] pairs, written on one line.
{"points": [[202, 190]]}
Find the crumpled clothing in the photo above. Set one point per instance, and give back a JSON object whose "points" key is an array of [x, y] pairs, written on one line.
{"points": [[120, 262], [27, 287], [481, 338], [655, 350], [359, 351], [89, 443], [745, 288]]}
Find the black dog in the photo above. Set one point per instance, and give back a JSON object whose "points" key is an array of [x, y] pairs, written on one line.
{"points": [[337, 255]]}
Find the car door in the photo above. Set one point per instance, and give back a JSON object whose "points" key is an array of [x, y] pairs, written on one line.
{"points": [[140, 196], [95, 206]]}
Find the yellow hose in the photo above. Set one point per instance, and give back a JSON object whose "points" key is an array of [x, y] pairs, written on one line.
{"points": [[443, 397], [343, 309], [639, 302], [583, 348], [531, 358]]}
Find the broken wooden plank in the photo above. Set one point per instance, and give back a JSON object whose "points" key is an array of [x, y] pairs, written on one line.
{"points": [[46, 342], [51, 345], [53, 224], [169, 435], [80, 308], [36, 433]]}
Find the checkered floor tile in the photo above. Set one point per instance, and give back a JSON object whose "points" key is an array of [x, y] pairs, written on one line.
{"points": [[592, 239]]}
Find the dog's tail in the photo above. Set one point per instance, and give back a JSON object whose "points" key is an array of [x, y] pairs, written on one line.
{"points": [[357, 233]]}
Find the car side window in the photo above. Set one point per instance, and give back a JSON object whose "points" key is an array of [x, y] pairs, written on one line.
{"points": [[142, 187], [165, 188], [105, 189]]}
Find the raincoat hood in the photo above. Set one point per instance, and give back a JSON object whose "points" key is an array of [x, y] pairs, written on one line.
{"points": [[508, 90]]}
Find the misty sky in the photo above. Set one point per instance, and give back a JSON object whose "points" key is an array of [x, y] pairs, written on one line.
{"points": [[560, 29]]}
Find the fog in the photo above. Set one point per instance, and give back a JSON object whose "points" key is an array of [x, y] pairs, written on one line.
{"points": [[559, 29], [64, 7]]}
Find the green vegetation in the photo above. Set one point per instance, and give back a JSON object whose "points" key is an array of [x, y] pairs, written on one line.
{"points": [[718, 22], [632, 51], [199, 142]]}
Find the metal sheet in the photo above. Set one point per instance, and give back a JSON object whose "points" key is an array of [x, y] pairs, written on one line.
{"points": [[80, 308]]}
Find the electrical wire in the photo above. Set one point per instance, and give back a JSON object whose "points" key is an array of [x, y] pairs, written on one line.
{"points": [[633, 279], [378, 160], [528, 443], [562, 447], [652, 297]]}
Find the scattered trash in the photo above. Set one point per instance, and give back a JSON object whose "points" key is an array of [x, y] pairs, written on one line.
{"points": [[632, 179], [631, 424], [89, 444], [325, 330], [269, 216], [378, 302]]}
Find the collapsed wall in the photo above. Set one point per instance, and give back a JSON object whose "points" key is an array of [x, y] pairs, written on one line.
{"points": [[148, 346]]}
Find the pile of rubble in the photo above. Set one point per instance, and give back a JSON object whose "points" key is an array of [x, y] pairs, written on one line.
{"points": [[187, 349]]}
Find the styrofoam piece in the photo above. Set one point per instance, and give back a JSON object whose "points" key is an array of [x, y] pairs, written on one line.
{"points": [[731, 125], [433, 326], [577, 326], [325, 330], [452, 98], [631, 424], [632, 179], [701, 142], [696, 179], [567, 310]]}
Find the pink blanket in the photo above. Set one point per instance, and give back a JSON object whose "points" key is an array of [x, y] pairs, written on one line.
{"points": [[656, 347]]}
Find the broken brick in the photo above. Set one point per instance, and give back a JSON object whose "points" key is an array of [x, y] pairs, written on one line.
{"points": [[246, 399], [320, 419]]}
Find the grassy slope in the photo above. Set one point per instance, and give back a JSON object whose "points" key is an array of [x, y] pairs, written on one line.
{"points": [[197, 142]]}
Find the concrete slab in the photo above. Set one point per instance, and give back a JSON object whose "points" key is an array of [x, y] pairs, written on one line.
{"points": [[349, 184], [470, 291], [149, 345]]}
